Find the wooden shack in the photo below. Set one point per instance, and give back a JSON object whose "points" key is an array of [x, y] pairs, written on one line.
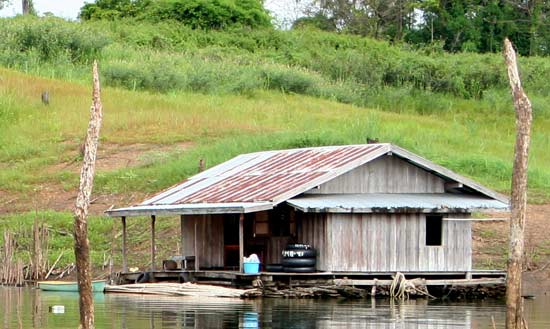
{"points": [[364, 208]]}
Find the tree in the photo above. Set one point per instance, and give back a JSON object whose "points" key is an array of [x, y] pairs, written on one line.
{"points": [[204, 14], [28, 7], [376, 18], [4, 3]]}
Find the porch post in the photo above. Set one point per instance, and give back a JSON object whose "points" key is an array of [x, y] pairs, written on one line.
{"points": [[153, 217], [241, 241], [196, 243], [182, 248], [124, 260]]}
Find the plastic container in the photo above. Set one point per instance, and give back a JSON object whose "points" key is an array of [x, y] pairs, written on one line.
{"points": [[251, 268]]}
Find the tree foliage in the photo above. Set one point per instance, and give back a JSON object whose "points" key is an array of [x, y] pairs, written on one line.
{"points": [[459, 25], [204, 14]]}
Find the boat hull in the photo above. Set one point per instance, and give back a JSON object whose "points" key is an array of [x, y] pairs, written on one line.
{"points": [[97, 286]]}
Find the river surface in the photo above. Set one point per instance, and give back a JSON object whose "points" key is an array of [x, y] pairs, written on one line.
{"points": [[32, 308]]}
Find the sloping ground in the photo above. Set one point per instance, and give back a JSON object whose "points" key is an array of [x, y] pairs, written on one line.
{"points": [[491, 240], [111, 157]]}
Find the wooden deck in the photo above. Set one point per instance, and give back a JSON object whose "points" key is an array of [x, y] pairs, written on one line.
{"points": [[242, 280]]}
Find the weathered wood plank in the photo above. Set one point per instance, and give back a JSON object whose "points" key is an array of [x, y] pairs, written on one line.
{"points": [[387, 174]]}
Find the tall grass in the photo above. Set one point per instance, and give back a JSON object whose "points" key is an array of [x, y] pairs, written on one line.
{"points": [[168, 57]]}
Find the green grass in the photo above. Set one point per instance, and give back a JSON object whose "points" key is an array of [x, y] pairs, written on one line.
{"points": [[468, 138]]}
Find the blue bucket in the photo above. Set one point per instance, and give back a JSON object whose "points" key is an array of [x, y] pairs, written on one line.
{"points": [[251, 268]]}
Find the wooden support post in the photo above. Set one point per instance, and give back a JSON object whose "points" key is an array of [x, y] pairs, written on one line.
{"points": [[241, 242], [524, 118], [182, 247], [196, 244], [82, 245], [153, 218], [124, 247]]}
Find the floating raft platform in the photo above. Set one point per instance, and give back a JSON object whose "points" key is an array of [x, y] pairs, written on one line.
{"points": [[182, 289], [243, 280], [475, 284]]}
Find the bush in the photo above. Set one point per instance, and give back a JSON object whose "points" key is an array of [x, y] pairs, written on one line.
{"points": [[50, 39], [198, 14], [289, 80]]}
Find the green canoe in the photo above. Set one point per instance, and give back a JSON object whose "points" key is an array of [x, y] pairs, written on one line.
{"points": [[97, 286]]}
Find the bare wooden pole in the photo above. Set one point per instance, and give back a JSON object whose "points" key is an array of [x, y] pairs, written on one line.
{"points": [[196, 244], [182, 241], [241, 241], [524, 118], [153, 218], [124, 247], [82, 246]]}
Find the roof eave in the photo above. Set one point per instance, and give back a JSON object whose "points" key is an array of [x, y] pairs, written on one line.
{"points": [[188, 209], [395, 210]]}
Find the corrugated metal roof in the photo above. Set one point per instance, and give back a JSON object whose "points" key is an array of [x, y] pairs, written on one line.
{"points": [[402, 202], [272, 177], [192, 209], [268, 176]]}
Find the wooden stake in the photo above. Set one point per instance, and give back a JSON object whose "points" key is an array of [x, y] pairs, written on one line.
{"points": [[82, 246], [524, 118]]}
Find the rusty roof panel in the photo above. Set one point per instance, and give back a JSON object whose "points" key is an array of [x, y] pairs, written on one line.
{"points": [[264, 176]]}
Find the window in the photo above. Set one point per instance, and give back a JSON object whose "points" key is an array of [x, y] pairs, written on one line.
{"points": [[434, 229]]}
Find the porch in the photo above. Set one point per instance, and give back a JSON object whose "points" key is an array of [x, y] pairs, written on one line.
{"points": [[278, 279]]}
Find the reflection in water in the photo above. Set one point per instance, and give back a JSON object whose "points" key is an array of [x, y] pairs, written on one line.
{"points": [[28, 308]]}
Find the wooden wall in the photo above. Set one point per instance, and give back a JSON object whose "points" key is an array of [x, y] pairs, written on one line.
{"points": [[385, 243], [312, 229], [387, 174], [209, 239], [275, 246]]}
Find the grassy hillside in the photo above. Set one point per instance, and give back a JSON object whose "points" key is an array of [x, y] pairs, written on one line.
{"points": [[36, 140], [180, 95]]}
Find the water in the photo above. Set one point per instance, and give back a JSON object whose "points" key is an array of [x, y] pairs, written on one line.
{"points": [[31, 308]]}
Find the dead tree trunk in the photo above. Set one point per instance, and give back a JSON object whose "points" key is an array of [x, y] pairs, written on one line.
{"points": [[524, 117], [82, 248], [26, 4]]}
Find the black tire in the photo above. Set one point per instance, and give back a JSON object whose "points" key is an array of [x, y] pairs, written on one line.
{"points": [[144, 277], [297, 246], [273, 268], [299, 253], [300, 269], [299, 262]]}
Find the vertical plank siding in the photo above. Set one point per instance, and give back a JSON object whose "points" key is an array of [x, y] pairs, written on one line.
{"points": [[385, 243], [275, 245], [312, 229], [387, 174], [209, 239]]}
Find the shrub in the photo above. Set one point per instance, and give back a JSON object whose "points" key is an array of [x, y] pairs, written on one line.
{"points": [[50, 38], [201, 14]]}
